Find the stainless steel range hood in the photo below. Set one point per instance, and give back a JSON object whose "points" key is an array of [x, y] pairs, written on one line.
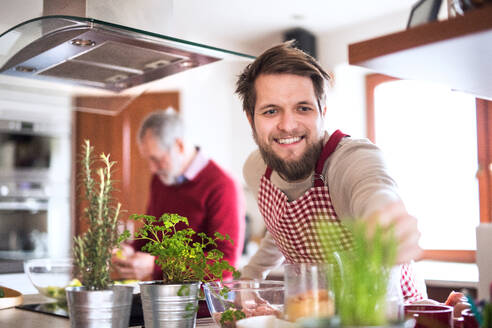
{"points": [[94, 53]]}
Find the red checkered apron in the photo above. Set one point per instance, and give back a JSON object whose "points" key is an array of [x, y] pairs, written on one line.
{"points": [[295, 225]]}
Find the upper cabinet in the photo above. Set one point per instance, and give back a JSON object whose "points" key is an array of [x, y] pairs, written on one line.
{"points": [[456, 52]]}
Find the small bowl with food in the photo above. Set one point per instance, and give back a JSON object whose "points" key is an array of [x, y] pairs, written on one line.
{"points": [[51, 276], [232, 301]]}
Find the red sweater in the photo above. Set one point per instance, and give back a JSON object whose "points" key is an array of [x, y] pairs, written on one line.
{"points": [[212, 201]]}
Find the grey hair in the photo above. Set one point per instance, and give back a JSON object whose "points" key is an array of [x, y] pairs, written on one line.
{"points": [[165, 125]]}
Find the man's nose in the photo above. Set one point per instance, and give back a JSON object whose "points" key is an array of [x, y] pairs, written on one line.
{"points": [[287, 121]]}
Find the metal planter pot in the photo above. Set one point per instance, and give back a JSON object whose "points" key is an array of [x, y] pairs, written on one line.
{"points": [[169, 305], [108, 308]]}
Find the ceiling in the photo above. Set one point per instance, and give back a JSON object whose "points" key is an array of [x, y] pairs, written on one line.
{"points": [[222, 23]]}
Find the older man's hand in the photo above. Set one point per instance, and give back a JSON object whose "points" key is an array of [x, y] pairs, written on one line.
{"points": [[132, 265], [405, 229]]}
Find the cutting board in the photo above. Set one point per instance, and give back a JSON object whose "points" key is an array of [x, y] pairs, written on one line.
{"points": [[11, 298]]}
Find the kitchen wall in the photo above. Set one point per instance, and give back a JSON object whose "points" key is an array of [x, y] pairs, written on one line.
{"points": [[346, 100]]}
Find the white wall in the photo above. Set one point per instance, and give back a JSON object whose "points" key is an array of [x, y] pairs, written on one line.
{"points": [[346, 100]]}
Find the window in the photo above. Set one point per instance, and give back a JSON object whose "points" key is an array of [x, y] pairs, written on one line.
{"points": [[429, 136]]}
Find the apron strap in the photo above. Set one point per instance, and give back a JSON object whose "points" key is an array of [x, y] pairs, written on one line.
{"points": [[328, 149]]}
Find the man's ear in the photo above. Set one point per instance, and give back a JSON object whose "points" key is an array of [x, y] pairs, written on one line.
{"points": [[179, 145]]}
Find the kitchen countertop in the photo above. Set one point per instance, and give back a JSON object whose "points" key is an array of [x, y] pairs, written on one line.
{"points": [[435, 273], [441, 274], [14, 317], [448, 274]]}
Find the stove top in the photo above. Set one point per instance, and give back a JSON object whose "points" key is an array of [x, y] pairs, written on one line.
{"points": [[61, 310], [136, 316]]}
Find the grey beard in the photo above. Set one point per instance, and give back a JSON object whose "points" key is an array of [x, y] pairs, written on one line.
{"points": [[291, 170]]}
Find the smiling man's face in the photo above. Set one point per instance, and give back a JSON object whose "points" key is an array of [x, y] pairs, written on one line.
{"points": [[287, 124]]}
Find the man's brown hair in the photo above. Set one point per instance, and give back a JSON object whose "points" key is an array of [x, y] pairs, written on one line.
{"points": [[281, 59]]}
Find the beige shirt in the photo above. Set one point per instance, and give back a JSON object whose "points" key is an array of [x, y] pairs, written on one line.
{"points": [[359, 185]]}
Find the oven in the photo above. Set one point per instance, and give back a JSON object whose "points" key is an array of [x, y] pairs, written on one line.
{"points": [[35, 163]]}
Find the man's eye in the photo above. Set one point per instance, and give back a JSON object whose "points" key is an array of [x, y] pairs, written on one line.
{"points": [[269, 112], [305, 108]]}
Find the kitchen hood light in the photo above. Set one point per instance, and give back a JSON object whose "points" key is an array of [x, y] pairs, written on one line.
{"points": [[122, 85], [116, 78], [90, 52], [187, 64], [157, 64], [25, 69], [83, 43]]}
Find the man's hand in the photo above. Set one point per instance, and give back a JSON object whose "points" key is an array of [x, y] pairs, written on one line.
{"points": [[457, 300], [405, 229], [128, 264]]}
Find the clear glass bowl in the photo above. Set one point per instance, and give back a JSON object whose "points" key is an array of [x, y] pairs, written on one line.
{"points": [[244, 297], [50, 276]]}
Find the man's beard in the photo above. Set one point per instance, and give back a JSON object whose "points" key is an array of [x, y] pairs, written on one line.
{"points": [[291, 170], [166, 179], [170, 176]]}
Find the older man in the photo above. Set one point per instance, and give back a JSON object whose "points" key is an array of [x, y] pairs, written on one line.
{"points": [[188, 183]]}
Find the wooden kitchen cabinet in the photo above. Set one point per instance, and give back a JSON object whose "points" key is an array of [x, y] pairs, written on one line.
{"points": [[117, 135], [456, 52]]}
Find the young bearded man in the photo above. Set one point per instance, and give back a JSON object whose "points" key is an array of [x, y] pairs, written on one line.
{"points": [[301, 173]]}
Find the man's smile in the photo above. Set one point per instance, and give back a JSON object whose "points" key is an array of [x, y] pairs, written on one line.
{"points": [[289, 140]]}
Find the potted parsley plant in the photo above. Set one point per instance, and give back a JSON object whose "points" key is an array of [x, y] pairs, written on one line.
{"points": [[187, 259]]}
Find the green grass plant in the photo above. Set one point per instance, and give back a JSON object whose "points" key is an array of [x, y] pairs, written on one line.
{"points": [[360, 286]]}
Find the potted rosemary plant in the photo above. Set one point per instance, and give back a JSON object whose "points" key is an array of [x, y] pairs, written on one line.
{"points": [[187, 259], [98, 303]]}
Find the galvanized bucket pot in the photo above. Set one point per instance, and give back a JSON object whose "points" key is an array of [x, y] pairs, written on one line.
{"points": [[169, 305], [99, 308]]}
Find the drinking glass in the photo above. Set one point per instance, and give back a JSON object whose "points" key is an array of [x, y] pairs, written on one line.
{"points": [[308, 292], [394, 296]]}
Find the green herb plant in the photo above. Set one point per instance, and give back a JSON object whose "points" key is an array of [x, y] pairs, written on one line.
{"points": [[180, 256], [230, 316], [360, 285], [92, 250], [487, 315]]}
